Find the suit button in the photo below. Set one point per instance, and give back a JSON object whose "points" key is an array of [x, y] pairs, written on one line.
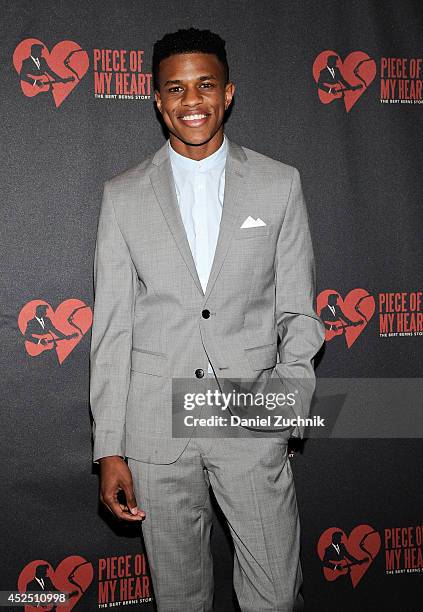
{"points": [[199, 373], [205, 314]]}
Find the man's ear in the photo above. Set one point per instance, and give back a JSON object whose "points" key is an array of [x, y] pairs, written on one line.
{"points": [[229, 94], [158, 100]]}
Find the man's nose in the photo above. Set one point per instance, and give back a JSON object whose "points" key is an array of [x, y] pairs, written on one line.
{"points": [[191, 97]]}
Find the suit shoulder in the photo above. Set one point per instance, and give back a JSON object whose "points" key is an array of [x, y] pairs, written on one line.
{"points": [[269, 165], [131, 176]]}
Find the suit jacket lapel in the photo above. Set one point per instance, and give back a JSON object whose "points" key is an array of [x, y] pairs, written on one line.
{"points": [[234, 173], [164, 188]]}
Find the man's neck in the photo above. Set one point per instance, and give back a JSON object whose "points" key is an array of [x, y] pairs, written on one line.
{"points": [[197, 152]]}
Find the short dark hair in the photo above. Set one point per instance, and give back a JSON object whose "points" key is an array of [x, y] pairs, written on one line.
{"points": [[188, 41]]}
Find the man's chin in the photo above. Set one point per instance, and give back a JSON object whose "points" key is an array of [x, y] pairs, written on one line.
{"points": [[194, 140]]}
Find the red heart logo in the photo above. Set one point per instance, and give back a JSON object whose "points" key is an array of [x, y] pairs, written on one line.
{"points": [[45, 329], [347, 79], [348, 316], [353, 555], [58, 71], [73, 575]]}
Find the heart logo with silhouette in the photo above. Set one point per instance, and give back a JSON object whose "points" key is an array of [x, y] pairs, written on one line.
{"points": [[347, 316], [61, 330], [345, 80], [56, 72], [73, 576], [352, 555]]}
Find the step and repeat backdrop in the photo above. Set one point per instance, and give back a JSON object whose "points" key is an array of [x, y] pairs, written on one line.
{"points": [[333, 88]]}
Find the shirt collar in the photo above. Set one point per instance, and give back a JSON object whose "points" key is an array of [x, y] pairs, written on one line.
{"points": [[208, 163]]}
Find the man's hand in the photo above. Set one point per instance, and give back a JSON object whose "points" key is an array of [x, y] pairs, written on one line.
{"points": [[116, 476]]}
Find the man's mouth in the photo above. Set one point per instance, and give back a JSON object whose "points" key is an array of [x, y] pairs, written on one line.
{"points": [[194, 119]]}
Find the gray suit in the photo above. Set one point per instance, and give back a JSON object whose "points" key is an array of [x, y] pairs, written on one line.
{"points": [[149, 326]]}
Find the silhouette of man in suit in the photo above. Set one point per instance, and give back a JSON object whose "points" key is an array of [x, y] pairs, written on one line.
{"points": [[41, 324], [331, 76], [42, 583], [36, 66], [333, 316], [41, 580], [337, 552]]}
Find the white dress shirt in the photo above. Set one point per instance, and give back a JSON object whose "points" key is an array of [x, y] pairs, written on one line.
{"points": [[200, 187]]}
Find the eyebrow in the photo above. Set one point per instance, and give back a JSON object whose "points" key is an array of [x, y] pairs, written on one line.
{"points": [[205, 77]]}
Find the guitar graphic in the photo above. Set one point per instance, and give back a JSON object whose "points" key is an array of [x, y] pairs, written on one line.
{"points": [[340, 568], [42, 83]]}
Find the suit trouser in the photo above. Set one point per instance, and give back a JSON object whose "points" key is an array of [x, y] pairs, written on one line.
{"points": [[253, 483]]}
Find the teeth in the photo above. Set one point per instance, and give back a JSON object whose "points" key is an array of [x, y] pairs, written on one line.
{"points": [[193, 117]]}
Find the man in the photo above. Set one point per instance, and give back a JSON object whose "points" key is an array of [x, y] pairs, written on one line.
{"points": [[40, 329], [334, 318], [41, 580], [330, 76], [203, 257], [337, 559], [35, 69]]}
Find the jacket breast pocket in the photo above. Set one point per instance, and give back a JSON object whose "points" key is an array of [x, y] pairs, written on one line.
{"points": [[260, 231], [262, 357]]}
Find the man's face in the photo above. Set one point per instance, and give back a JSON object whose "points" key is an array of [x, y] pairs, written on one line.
{"points": [[36, 51], [193, 97]]}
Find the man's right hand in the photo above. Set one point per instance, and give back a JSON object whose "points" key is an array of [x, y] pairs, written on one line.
{"points": [[116, 476]]}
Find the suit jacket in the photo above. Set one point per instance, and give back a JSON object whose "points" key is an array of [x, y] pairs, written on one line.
{"points": [[33, 326], [326, 81], [29, 70], [148, 325]]}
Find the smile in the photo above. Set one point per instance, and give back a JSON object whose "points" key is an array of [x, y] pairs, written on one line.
{"points": [[193, 117]]}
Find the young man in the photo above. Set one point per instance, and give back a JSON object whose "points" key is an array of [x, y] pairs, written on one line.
{"points": [[203, 258]]}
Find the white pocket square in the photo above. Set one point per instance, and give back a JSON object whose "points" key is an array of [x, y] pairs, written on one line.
{"points": [[250, 222]]}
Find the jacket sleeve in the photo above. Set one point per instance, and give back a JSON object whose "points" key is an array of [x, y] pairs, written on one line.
{"points": [[115, 283], [301, 331]]}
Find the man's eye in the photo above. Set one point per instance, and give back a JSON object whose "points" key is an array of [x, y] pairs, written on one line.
{"points": [[207, 85], [175, 89]]}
